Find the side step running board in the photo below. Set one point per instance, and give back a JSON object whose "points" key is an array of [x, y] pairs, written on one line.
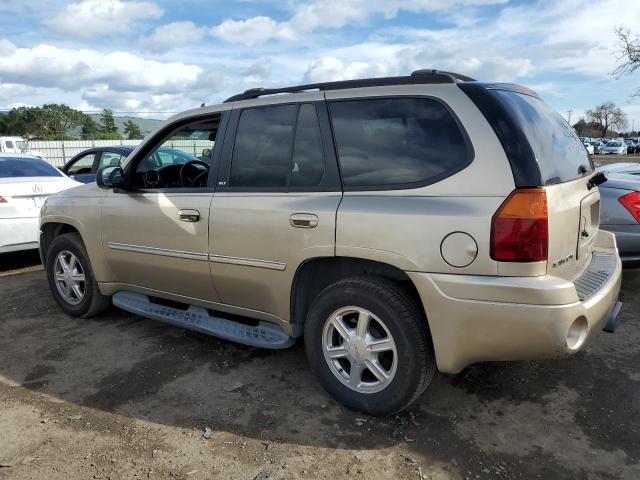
{"points": [[263, 335]]}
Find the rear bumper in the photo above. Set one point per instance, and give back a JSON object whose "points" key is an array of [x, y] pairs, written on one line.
{"points": [[474, 319], [18, 234]]}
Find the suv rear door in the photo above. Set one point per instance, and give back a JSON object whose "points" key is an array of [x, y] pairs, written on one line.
{"points": [[275, 203]]}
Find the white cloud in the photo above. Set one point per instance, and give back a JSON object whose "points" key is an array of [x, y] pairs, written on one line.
{"points": [[172, 35], [323, 14], [331, 69], [95, 18], [116, 79], [9, 91], [259, 70], [252, 31]]}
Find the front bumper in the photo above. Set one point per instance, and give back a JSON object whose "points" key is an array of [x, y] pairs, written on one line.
{"points": [[19, 234], [485, 318]]}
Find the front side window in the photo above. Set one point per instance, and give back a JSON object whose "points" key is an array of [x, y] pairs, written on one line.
{"points": [[8, 144], [396, 142], [180, 160], [26, 167], [82, 165]]}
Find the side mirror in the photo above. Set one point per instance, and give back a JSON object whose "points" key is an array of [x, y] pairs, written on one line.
{"points": [[206, 152], [110, 177]]}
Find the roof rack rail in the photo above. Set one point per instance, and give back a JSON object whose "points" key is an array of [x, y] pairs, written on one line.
{"points": [[417, 77]]}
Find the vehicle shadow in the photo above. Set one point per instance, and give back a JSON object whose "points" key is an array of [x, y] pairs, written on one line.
{"points": [[498, 414], [19, 261]]}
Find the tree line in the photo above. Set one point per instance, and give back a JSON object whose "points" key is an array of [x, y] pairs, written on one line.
{"points": [[604, 120], [56, 122], [607, 118]]}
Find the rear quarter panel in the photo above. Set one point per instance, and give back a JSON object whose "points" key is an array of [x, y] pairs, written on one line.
{"points": [[405, 228]]}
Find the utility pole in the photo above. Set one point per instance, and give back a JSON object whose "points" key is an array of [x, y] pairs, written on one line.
{"points": [[569, 112]]}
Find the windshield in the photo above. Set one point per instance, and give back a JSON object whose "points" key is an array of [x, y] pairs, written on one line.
{"points": [[22, 145], [27, 167], [614, 144], [560, 154]]}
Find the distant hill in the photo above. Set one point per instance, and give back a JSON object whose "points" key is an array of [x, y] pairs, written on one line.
{"points": [[146, 125]]}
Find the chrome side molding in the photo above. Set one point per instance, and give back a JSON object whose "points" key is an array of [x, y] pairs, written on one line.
{"points": [[167, 252], [249, 262]]}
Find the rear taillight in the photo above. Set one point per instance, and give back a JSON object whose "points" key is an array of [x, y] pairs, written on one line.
{"points": [[631, 201], [520, 227], [2, 199]]}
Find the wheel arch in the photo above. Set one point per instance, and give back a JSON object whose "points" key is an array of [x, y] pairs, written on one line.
{"points": [[315, 274], [51, 230]]}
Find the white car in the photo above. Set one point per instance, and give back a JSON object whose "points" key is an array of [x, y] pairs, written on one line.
{"points": [[614, 147], [589, 147], [25, 183]]}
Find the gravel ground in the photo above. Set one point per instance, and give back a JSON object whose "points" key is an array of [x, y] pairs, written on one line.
{"points": [[604, 159], [123, 397]]}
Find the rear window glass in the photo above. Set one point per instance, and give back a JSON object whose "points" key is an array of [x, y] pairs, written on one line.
{"points": [[396, 142], [560, 154], [26, 167]]}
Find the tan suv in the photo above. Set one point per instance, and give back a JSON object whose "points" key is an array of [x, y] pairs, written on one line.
{"points": [[400, 225]]}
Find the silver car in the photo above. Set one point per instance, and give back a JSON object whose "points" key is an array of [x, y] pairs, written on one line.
{"points": [[620, 212], [614, 147]]}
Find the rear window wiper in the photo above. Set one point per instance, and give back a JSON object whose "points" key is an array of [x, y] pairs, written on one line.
{"points": [[596, 180]]}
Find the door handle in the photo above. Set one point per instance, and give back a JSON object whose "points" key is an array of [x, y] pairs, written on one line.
{"points": [[303, 220], [189, 215]]}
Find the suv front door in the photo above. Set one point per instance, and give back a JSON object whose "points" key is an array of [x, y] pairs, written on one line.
{"points": [[156, 237], [275, 203]]}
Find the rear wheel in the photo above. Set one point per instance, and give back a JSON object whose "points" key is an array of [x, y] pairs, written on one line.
{"points": [[71, 279], [368, 343]]}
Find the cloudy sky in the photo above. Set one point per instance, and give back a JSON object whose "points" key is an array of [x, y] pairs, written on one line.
{"points": [[164, 56]]}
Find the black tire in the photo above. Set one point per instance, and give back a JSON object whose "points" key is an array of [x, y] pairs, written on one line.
{"points": [[93, 302], [407, 325]]}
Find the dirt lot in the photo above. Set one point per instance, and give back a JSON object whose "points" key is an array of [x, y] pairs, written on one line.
{"points": [[123, 397], [604, 159]]}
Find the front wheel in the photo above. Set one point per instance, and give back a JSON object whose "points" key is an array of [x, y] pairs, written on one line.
{"points": [[369, 345], [71, 279]]}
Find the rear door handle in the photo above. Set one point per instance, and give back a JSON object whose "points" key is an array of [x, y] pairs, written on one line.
{"points": [[303, 220], [189, 215]]}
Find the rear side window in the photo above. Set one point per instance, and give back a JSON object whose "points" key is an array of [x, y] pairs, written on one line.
{"points": [[558, 151], [26, 167], [262, 150], [307, 166], [397, 142]]}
